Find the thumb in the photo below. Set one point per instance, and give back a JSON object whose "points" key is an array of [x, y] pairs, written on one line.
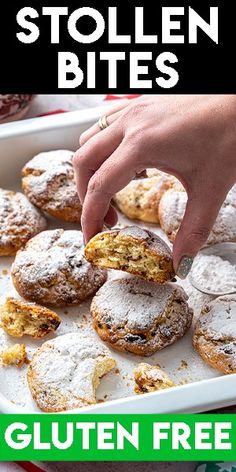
{"points": [[197, 223]]}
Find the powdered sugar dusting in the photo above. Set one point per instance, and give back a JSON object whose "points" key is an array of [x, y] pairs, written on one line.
{"points": [[79, 355], [172, 209], [46, 166], [219, 319], [52, 269], [49, 181], [212, 273], [134, 302], [153, 241], [19, 219]]}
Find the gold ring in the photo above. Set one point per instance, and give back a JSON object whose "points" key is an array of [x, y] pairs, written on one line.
{"points": [[103, 124]]}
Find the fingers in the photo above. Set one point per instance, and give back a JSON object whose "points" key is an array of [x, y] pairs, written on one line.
{"points": [[111, 217], [92, 155], [115, 173], [195, 228], [112, 115]]}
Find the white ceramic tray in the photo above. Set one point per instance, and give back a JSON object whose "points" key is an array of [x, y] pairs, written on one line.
{"points": [[200, 388]]}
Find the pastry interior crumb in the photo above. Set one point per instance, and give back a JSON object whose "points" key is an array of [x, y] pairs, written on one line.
{"points": [[15, 355], [18, 318], [103, 366], [150, 378], [121, 254]]}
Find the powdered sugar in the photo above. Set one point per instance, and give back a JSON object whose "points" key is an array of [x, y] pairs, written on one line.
{"points": [[19, 219], [214, 274], [220, 318], [134, 302], [66, 368], [172, 209], [46, 166], [49, 183], [52, 269]]}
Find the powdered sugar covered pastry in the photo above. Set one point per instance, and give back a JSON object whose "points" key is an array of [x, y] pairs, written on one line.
{"points": [[49, 183], [19, 221], [66, 371], [140, 198], [172, 208], [52, 270], [215, 334], [139, 316]]}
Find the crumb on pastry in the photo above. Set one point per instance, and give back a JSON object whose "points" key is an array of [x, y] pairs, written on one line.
{"points": [[18, 318], [134, 250], [149, 378], [15, 355]]}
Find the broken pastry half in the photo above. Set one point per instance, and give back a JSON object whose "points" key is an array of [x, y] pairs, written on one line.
{"points": [[150, 378], [65, 372], [18, 318], [134, 250]]}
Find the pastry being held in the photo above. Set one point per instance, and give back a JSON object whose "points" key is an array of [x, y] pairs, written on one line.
{"points": [[134, 250]]}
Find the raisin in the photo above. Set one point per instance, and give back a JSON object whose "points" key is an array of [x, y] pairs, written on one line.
{"points": [[228, 350], [135, 338], [44, 327]]}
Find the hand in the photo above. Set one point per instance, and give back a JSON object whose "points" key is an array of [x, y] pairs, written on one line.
{"points": [[190, 137]]}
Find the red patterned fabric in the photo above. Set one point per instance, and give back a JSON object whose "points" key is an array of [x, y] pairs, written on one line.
{"points": [[29, 467]]}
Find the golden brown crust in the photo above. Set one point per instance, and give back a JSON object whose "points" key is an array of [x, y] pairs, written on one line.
{"points": [[150, 378], [141, 317], [134, 250], [19, 221], [49, 183], [215, 336], [140, 198], [52, 270], [19, 318]]}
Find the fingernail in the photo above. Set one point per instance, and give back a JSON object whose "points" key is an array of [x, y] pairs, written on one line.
{"points": [[185, 266], [106, 227]]}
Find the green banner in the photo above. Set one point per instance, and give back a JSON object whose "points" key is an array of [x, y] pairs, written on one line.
{"points": [[118, 437]]}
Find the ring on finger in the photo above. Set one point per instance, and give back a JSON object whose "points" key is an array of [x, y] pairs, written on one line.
{"points": [[103, 123]]}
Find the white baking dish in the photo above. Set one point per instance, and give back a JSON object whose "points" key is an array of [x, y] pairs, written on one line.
{"points": [[202, 387]]}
